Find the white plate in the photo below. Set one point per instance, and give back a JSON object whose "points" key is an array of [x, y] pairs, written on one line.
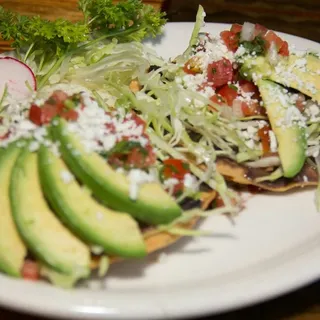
{"points": [[273, 249]]}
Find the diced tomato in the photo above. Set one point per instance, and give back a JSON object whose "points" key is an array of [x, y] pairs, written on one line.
{"points": [[247, 86], [236, 28], [281, 45], [260, 30], [220, 72], [218, 99], [53, 107], [70, 115], [263, 134], [30, 270], [35, 115], [175, 168], [141, 158], [228, 93], [57, 100], [230, 39], [284, 50], [48, 113], [271, 36], [252, 108], [192, 66]]}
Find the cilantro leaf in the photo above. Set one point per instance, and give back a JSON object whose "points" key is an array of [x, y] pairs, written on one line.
{"points": [[257, 45]]}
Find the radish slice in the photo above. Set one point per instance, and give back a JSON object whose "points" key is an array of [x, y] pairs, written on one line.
{"points": [[17, 78]]}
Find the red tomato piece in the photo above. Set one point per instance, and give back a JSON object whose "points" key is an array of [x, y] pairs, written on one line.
{"points": [[141, 158], [70, 115], [284, 50], [271, 36], [30, 270], [218, 99], [252, 108], [247, 86], [35, 115], [263, 134], [220, 72], [260, 30], [228, 93], [48, 113], [175, 168], [230, 39], [57, 100], [236, 28]]}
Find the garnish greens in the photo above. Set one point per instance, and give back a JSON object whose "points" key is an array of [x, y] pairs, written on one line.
{"points": [[49, 43]]}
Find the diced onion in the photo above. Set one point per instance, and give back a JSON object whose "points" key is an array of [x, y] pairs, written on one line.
{"points": [[247, 32], [226, 112], [272, 161], [273, 55], [237, 108]]}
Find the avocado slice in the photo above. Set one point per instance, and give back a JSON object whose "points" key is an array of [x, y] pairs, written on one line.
{"points": [[300, 73], [154, 205], [48, 239], [12, 248], [288, 126], [117, 233]]}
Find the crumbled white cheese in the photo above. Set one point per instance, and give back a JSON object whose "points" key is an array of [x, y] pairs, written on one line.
{"points": [[66, 176], [100, 131], [190, 182], [273, 141], [34, 146], [136, 178]]}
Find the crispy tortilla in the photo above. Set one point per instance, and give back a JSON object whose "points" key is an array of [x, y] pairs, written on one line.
{"points": [[241, 174], [159, 240]]}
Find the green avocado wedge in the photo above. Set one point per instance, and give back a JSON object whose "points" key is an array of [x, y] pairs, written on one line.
{"points": [[153, 206], [117, 233], [300, 73], [288, 126], [46, 237], [12, 248]]}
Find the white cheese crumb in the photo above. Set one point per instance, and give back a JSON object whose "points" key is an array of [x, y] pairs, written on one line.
{"points": [[273, 141], [136, 178], [34, 146], [66, 176], [190, 182]]}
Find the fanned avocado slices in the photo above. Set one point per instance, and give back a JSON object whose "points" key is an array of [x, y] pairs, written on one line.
{"points": [[46, 237], [116, 233], [153, 206]]}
